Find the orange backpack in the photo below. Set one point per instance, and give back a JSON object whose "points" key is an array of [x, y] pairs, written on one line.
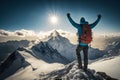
{"points": [[86, 36]]}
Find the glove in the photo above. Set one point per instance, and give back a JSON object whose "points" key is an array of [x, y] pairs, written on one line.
{"points": [[68, 14], [99, 16]]}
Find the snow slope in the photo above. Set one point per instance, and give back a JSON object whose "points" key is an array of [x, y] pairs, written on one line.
{"points": [[62, 44], [45, 71], [36, 59], [36, 67], [44, 51], [71, 72], [11, 64], [111, 66]]}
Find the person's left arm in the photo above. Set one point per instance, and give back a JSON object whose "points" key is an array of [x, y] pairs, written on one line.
{"points": [[96, 22]]}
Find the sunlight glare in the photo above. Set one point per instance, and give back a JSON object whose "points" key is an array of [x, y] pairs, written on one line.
{"points": [[54, 19]]}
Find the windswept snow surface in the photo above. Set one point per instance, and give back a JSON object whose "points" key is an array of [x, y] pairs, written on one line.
{"points": [[42, 58], [71, 72], [39, 66], [110, 66]]}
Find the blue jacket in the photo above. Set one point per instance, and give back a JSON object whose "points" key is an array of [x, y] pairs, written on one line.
{"points": [[78, 26]]}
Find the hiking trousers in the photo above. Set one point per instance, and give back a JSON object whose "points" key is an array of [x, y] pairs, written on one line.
{"points": [[85, 53]]}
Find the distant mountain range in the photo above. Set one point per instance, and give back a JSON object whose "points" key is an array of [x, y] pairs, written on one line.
{"points": [[54, 49], [23, 57]]}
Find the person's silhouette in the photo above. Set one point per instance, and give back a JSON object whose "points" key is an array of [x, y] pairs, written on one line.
{"points": [[84, 37]]}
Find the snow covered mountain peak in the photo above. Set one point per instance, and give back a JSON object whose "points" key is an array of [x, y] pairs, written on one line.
{"points": [[44, 51], [55, 33], [56, 36]]}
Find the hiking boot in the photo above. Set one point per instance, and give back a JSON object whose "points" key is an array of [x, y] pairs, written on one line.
{"points": [[80, 67], [85, 68]]}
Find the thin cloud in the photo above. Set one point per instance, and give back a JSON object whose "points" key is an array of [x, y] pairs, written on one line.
{"points": [[18, 33], [5, 33], [43, 34], [24, 32]]}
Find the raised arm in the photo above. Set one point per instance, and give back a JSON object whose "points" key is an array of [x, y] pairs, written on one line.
{"points": [[71, 21], [96, 22]]}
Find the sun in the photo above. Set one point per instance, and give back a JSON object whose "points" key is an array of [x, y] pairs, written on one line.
{"points": [[54, 19]]}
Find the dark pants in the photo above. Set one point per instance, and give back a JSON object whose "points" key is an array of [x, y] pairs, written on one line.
{"points": [[85, 53]]}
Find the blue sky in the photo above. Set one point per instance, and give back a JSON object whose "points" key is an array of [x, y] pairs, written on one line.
{"points": [[34, 14]]}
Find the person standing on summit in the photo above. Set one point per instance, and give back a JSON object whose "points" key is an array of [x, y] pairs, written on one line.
{"points": [[84, 37]]}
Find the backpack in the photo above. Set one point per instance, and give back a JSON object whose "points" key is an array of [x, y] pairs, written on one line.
{"points": [[86, 36]]}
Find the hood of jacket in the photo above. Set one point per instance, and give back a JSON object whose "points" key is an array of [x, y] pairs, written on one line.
{"points": [[82, 21]]}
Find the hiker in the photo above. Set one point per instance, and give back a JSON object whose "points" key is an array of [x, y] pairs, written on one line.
{"points": [[84, 38]]}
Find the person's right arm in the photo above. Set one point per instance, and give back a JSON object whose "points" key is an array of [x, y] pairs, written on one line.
{"points": [[71, 21]]}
